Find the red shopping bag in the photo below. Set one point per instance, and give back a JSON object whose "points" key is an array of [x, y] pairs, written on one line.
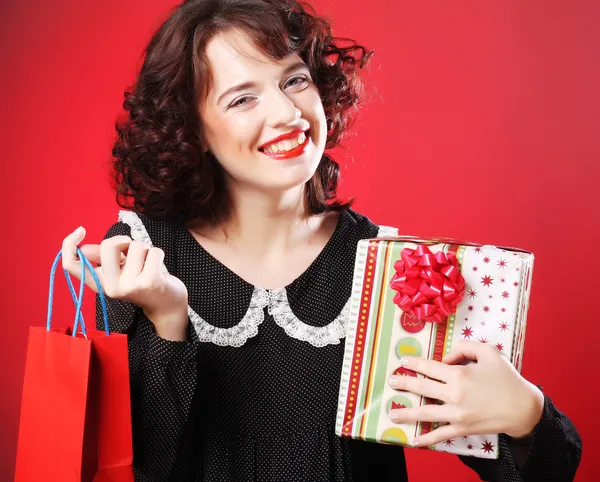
{"points": [[75, 420]]}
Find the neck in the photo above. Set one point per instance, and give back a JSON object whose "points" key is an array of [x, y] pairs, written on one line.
{"points": [[265, 224]]}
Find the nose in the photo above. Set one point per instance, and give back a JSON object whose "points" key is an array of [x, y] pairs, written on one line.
{"points": [[281, 110]]}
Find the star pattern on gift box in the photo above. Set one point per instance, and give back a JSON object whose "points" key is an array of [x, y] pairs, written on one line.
{"points": [[487, 281], [493, 295], [486, 314]]}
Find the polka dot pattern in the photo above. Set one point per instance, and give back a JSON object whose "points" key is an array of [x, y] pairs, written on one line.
{"points": [[263, 411]]}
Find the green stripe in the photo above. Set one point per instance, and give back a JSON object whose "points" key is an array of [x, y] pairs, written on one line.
{"points": [[460, 254], [431, 348], [384, 347]]}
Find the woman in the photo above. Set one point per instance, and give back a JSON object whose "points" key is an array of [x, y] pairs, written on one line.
{"points": [[231, 271]]}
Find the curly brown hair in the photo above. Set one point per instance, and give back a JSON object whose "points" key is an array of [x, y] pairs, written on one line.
{"points": [[159, 168]]}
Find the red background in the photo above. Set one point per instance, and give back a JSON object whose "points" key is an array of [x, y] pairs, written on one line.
{"points": [[482, 124]]}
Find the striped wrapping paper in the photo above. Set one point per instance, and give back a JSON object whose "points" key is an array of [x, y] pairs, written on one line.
{"points": [[492, 310]]}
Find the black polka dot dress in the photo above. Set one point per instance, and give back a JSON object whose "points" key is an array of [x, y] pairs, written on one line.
{"points": [[252, 395]]}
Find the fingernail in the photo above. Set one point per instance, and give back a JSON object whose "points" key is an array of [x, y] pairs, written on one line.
{"points": [[394, 417], [416, 443], [404, 362], [79, 230], [393, 381]]}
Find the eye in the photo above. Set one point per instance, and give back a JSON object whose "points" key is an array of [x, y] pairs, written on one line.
{"points": [[297, 81], [241, 102]]}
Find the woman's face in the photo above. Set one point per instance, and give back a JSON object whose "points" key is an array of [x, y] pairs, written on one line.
{"points": [[254, 100]]}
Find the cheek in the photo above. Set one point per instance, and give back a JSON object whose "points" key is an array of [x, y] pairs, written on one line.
{"points": [[239, 133], [318, 113], [322, 122]]}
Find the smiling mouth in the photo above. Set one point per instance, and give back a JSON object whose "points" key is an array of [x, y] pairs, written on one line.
{"points": [[286, 146]]}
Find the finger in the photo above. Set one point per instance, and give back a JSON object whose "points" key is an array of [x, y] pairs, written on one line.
{"points": [[70, 259], [419, 386], [110, 257], [455, 358], [91, 252], [425, 413], [430, 368], [441, 434], [69, 249], [136, 257], [154, 263], [466, 350]]}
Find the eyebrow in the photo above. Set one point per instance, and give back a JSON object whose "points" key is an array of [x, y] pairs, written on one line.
{"points": [[249, 85]]}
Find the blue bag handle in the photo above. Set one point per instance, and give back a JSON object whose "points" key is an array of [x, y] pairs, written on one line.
{"points": [[77, 300]]}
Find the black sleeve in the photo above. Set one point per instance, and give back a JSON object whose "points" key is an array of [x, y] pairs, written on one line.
{"points": [[162, 381], [552, 453]]}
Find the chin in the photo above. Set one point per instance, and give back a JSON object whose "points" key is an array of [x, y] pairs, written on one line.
{"points": [[286, 182], [287, 185]]}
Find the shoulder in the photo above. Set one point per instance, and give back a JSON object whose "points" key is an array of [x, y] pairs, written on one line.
{"points": [[360, 226]]}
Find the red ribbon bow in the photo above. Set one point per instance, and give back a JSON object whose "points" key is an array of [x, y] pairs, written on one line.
{"points": [[429, 286]]}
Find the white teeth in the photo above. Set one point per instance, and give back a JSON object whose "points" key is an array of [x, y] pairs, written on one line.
{"points": [[286, 145]]}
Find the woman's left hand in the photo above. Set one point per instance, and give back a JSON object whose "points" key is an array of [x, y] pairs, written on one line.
{"points": [[488, 396]]}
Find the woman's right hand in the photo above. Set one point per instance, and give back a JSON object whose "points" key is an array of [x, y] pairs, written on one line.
{"points": [[133, 271]]}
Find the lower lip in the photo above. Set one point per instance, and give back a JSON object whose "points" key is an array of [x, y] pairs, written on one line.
{"points": [[295, 152]]}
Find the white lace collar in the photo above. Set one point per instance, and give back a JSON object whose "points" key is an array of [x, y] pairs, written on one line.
{"points": [[276, 301]]}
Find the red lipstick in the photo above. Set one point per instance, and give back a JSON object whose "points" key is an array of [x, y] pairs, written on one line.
{"points": [[296, 151], [289, 135]]}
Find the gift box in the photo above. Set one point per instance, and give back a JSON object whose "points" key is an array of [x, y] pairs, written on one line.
{"points": [[420, 297]]}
